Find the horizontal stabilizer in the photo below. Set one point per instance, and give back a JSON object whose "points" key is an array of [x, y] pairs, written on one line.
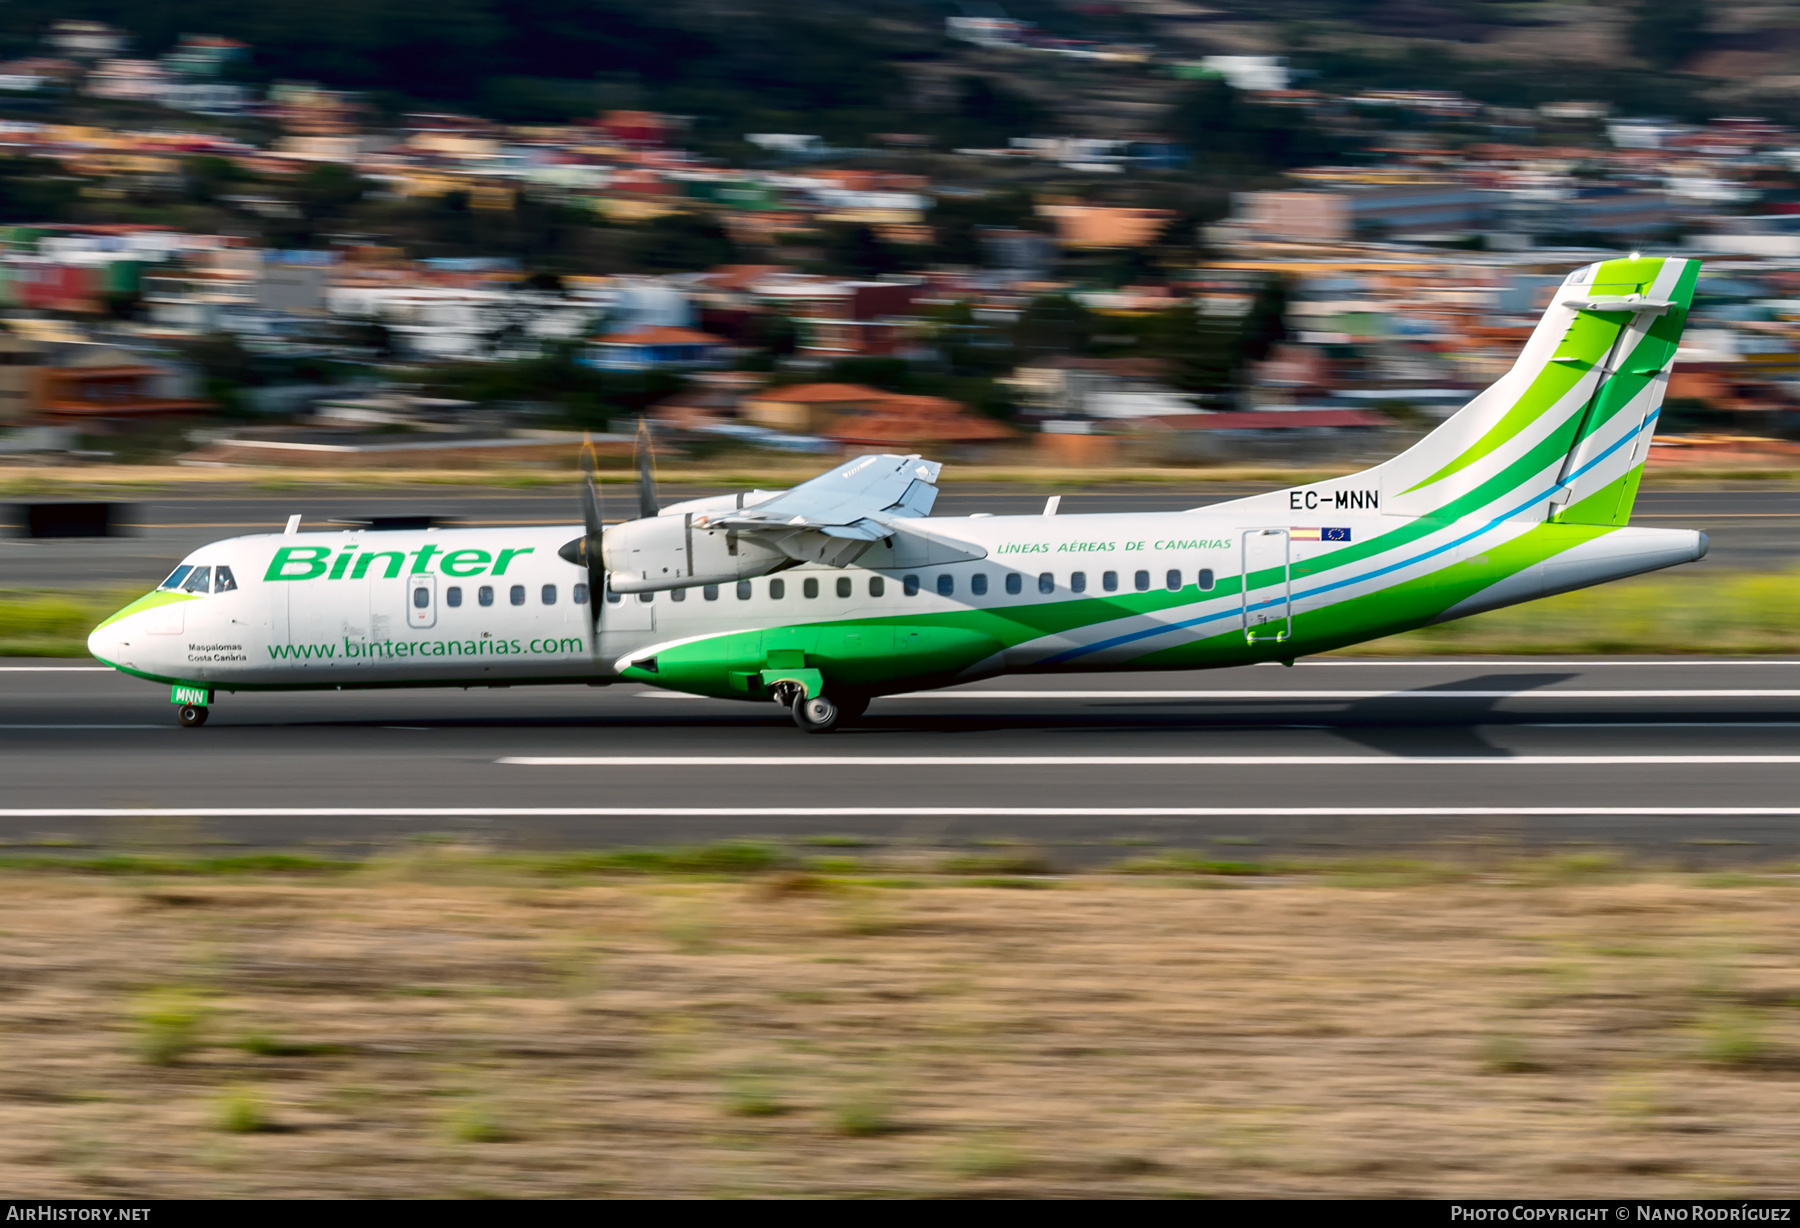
{"points": [[1637, 306]]}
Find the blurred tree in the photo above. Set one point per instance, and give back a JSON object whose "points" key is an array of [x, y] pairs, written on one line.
{"points": [[988, 115], [37, 190], [1264, 325], [1222, 130], [206, 178], [1054, 324], [327, 191], [1663, 33], [775, 333], [957, 222], [969, 345], [368, 334], [1202, 352], [857, 251], [681, 243]]}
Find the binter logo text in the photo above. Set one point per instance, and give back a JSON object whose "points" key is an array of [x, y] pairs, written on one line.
{"points": [[317, 562]]}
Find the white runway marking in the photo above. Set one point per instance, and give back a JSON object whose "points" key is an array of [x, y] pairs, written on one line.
{"points": [[1649, 722], [898, 812], [792, 761], [41, 725]]}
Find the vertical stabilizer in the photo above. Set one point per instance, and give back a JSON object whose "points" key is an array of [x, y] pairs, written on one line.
{"points": [[1564, 434]]}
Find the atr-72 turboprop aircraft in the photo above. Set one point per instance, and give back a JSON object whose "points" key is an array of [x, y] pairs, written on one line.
{"points": [[843, 588]]}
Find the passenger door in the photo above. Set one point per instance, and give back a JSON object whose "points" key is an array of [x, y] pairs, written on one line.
{"points": [[1267, 598]]}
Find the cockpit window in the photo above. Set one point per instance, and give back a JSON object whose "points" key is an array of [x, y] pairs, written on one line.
{"points": [[199, 580], [176, 577], [223, 580]]}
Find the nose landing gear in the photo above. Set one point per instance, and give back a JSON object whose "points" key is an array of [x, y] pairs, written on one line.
{"points": [[190, 700]]}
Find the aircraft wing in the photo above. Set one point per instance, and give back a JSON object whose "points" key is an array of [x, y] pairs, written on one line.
{"points": [[858, 500]]}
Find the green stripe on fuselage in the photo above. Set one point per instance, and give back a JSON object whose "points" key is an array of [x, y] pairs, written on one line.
{"points": [[149, 601]]}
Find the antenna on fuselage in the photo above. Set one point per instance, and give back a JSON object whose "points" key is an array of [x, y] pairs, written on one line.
{"points": [[1051, 504], [293, 525]]}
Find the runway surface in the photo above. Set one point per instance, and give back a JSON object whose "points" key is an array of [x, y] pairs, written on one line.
{"points": [[1748, 527], [1690, 761]]}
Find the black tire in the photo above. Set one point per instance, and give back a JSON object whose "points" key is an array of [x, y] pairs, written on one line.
{"points": [[817, 714], [191, 716]]}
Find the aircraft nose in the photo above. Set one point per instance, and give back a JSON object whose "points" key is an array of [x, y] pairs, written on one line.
{"points": [[105, 643]]}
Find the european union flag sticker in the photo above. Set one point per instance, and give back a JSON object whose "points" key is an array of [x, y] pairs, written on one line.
{"points": [[1334, 535]]}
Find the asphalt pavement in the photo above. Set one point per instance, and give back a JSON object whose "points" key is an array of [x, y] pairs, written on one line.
{"points": [[1689, 761], [1749, 527]]}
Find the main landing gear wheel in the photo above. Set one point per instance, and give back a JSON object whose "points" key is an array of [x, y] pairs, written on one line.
{"points": [[191, 716], [817, 715]]}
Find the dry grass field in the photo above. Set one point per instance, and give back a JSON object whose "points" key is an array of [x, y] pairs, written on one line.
{"points": [[448, 1023]]}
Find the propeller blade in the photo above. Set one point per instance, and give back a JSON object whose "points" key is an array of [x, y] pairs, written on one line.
{"points": [[590, 492], [646, 466], [593, 519]]}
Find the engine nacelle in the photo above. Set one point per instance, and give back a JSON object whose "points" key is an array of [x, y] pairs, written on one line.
{"points": [[671, 551]]}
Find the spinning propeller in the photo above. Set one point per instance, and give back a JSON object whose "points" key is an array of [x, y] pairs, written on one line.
{"points": [[585, 551]]}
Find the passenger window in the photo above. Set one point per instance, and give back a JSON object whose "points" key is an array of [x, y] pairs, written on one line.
{"points": [[809, 587], [485, 595], [1206, 579], [844, 586], [679, 594], [517, 595], [1141, 581], [223, 580], [978, 584], [1109, 580], [946, 585], [612, 598], [199, 580], [710, 592], [580, 594], [176, 577], [743, 590], [877, 586], [549, 594], [1172, 581], [646, 598], [421, 597], [777, 589], [453, 596], [1015, 583], [910, 585], [1078, 582], [1046, 582]]}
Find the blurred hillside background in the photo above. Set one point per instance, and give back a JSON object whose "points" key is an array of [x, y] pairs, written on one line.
{"points": [[1051, 234]]}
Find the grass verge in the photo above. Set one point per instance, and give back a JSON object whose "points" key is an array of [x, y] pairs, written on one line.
{"points": [[1306, 1033], [47, 623], [1687, 611]]}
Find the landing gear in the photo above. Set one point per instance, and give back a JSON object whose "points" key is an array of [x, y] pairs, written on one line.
{"points": [[817, 715], [191, 716]]}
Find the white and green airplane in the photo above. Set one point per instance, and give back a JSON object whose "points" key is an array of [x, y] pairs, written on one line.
{"points": [[844, 588]]}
